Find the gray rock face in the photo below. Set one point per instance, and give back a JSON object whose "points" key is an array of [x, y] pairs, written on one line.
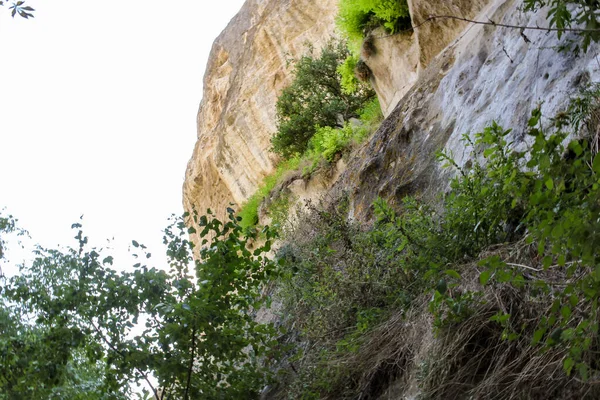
{"points": [[488, 73]]}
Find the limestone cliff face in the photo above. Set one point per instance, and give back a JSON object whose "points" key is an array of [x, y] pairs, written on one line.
{"points": [[246, 71], [486, 73], [444, 79], [397, 60]]}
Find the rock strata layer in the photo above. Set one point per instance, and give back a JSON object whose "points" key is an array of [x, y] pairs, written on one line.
{"points": [[443, 80], [247, 69]]}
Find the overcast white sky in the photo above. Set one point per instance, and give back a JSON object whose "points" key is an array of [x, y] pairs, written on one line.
{"points": [[98, 103]]}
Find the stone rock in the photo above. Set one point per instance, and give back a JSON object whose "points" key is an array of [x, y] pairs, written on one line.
{"points": [[396, 60], [488, 73], [446, 79], [246, 71]]}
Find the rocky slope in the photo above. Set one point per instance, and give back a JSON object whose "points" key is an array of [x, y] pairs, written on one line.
{"points": [[246, 71], [487, 73], [446, 78]]}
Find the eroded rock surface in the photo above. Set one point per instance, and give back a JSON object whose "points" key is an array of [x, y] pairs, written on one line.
{"points": [[488, 73], [246, 72], [445, 79], [396, 60]]}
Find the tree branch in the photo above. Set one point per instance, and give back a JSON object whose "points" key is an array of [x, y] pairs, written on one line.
{"points": [[191, 367], [113, 348], [492, 23]]}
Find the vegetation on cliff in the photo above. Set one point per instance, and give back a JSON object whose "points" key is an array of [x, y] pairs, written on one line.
{"points": [[466, 296], [356, 19], [493, 291], [490, 290], [564, 14], [315, 98], [314, 120]]}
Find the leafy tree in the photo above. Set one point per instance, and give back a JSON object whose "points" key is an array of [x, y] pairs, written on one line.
{"points": [[315, 98], [350, 83], [80, 323], [19, 7], [357, 17]]}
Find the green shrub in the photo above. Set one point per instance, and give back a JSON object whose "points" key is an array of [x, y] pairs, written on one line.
{"points": [[340, 281], [371, 114], [315, 98], [358, 17], [350, 83], [328, 141], [552, 192], [322, 149], [249, 210]]}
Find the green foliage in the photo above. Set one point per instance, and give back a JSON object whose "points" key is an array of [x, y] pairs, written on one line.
{"points": [[371, 114], [340, 281], [356, 18], [350, 84], [322, 149], [19, 7], [249, 210], [480, 212], [7, 226], [77, 320], [39, 363], [563, 14], [552, 192], [315, 98], [328, 142]]}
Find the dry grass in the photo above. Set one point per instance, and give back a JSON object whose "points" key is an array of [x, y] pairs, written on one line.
{"points": [[466, 360]]}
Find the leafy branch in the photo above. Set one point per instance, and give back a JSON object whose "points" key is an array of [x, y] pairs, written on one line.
{"points": [[20, 8]]}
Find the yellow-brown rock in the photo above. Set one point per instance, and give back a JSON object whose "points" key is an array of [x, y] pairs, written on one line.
{"points": [[396, 60], [247, 69], [432, 37]]}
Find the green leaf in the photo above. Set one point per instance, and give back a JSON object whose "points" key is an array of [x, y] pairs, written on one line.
{"points": [[596, 164], [442, 286], [568, 364], [453, 273], [582, 369], [549, 184], [538, 335], [557, 231], [485, 276], [547, 261], [573, 300], [565, 312], [135, 244]]}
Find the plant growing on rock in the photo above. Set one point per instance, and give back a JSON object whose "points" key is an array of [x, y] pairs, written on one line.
{"points": [[356, 18], [315, 98], [563, 14]]}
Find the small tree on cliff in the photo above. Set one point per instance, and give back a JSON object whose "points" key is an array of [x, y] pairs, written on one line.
{"points": [[315, 98]]}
